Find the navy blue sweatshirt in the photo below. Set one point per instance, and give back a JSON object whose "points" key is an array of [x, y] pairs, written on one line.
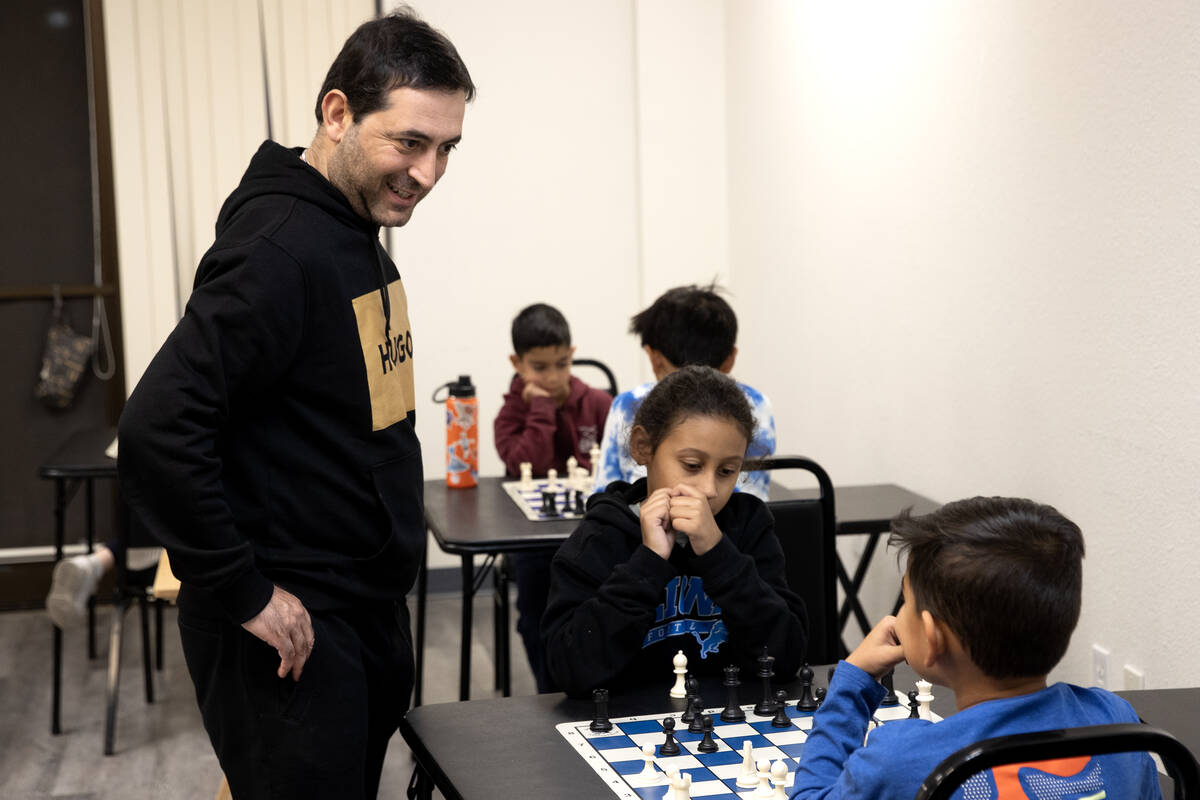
{"points": [[271, 440]]}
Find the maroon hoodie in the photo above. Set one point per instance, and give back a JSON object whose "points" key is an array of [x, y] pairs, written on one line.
{"points": [[543, 434]]}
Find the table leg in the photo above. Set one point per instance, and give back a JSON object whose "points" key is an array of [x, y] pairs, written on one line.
{"points": [[60, 503], [90, 515], [422, 591], [147, 666], [114, 675], [851, 587], [468, 592], [500, 618]]}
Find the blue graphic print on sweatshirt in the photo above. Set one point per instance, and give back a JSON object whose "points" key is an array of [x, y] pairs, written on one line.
{"points": [[691, 611]]}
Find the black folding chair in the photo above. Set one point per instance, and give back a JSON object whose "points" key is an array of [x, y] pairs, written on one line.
{"points": [[807, 529], [1092, 740]]}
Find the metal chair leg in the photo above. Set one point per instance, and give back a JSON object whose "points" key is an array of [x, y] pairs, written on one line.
{"points": [[147, 664], [114, 675]]}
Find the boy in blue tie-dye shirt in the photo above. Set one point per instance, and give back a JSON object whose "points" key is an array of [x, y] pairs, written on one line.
{"points": [[686, 325]]}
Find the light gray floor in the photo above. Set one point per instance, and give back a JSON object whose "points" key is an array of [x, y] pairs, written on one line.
{"points": [[161, 749]]}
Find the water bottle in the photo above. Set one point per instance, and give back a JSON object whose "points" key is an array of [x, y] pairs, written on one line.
{"points": [[462, 433]]}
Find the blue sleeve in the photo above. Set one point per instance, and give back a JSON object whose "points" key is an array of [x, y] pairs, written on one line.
{"points": [[837, 734], [611, 444]]}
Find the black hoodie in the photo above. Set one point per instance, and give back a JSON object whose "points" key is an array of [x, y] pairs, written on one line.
{"points": [[271, 440], [618, 612]]}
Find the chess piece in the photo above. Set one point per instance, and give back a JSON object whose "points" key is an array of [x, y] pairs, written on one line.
{"points": [[669, 747], [913, 710], [779, 776], [683, 789], [748, 777], [549, 503], [672, 783], [600, 722], [821, 693], [924, 698], [649, 774], [594, 459], [806, 702], [889, 700], [781, 720], [580, 508], [680, 662], [526, 476], [697, 723], [572, 462], [552, 480], [766, 706], [763, 792], [707, 744], [733, 712], [691, 686]]}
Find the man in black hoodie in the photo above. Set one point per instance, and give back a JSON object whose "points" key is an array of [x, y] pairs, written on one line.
{"points": [[270, 445]]}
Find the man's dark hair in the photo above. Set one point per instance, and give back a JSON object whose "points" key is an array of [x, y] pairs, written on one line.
{"points": [[1004, 574], [539, 325], [389, 53], [689, 325]]}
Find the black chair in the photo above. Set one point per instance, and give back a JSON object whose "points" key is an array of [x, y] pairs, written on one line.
{"points": [[807, 529], [600, 365], [1065, 743]]}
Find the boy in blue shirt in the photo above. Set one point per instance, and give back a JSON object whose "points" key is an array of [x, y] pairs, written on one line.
{"points": [[686, 325], [991, 595]]}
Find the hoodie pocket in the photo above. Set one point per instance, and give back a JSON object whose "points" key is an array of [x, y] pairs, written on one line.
{"points": [[399, 486]]}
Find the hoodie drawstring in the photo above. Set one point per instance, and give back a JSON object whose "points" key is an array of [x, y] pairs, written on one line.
{"points": [[383, 294]]}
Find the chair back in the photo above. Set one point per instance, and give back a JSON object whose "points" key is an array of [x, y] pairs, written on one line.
{"points": [[807, 529], [1091, 740], [600, 365]]}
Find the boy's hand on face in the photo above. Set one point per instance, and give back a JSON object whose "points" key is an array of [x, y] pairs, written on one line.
{"points": [[691, 514], [532, 390], [879, 651], [657, 533]]}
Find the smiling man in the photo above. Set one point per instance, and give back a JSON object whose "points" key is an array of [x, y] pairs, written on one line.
{"points": [[271, 444]]}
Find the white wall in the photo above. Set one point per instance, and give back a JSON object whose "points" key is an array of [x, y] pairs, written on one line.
{"points": [[969, 234]]}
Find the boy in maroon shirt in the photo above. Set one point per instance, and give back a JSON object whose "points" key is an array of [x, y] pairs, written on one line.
{"points": [[547, 417]]}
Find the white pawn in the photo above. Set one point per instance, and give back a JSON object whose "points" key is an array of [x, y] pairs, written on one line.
{"points": [[763, 792], [649, 774], [552, 480], [572, 463], [779, 776], [594, 455], [748, 778], [581, 480], [526, 476], [925, 697], [680, 662]]}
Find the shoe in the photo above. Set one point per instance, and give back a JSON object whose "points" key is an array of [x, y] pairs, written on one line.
{"points": [[74, 580]]}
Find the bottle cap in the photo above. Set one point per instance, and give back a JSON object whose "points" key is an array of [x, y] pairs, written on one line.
{"points": [[462, 387]]}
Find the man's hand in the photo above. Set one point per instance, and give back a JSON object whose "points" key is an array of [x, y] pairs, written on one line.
{"points": [[657, 533], [691, 514], [879, 651], [285, 625]]}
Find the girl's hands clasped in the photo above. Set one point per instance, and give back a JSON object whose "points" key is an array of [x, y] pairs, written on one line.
{"points": [[681, 508]]}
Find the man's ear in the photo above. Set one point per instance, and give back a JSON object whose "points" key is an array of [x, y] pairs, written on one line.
{"points": [[639, 445], [727, 365], [336, 118]]}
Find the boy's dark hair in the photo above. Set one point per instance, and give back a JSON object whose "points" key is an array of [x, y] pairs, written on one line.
{"points": [[389, 53], [689, 325], [693, 391], [1004, 574], [539, 325]]}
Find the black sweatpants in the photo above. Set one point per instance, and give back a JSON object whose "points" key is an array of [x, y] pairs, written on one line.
{"points": [[321, 737], [531, 573]]}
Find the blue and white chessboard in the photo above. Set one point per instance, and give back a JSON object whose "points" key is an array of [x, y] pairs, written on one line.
{"points": [[530, 500], [616, 756]]}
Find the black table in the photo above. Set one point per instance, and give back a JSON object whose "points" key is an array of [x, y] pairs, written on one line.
{"points": [[509, 747], [79, 462], [485, 521]]}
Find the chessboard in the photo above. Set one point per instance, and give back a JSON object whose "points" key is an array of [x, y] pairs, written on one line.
{"points": [[617, 758], [529, 499]]}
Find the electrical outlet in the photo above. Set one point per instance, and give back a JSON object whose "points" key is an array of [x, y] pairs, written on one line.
{"points": [[1100, 673], [1134, 678]]}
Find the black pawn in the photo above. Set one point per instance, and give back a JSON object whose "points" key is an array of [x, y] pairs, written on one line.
{"points": [[806, 702], [579, 508], [766, 706], [780, 720], [914, 712], [707, 745], [697, 723], [820, 693], [890, 698], [601, 723], [669, 747], [549, 504], [691, 685], [733, 712]]}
